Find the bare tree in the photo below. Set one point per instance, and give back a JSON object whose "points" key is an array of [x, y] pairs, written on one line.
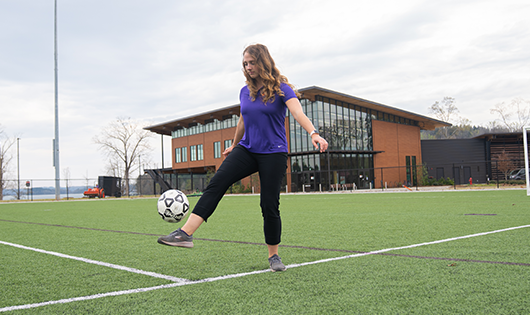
{"points": [[494, 126], [123, 141], [87, 179], [445, 110], [514, 115], [66, 177], [505, 164], [5, 158]]}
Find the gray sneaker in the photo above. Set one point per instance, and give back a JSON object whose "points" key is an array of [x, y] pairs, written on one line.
{"points": [[177, 238], [276, 263]]}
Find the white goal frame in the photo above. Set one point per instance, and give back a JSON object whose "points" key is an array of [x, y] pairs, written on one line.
{"points": [[526, 166]]}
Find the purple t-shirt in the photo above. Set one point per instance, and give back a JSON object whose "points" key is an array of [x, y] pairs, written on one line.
{"points": [[265, 123]]}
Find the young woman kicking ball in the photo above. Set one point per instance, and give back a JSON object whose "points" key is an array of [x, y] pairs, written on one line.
{"points": [[260, 145]]}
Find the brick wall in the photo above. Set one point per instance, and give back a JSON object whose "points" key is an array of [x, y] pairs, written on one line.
{"points": [[206, 139], [396, 141]]}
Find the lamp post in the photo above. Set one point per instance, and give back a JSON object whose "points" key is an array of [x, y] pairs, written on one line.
{"points": [[56, 139]]}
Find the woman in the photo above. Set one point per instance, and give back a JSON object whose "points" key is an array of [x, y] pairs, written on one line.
{"points": [[260, 145]]}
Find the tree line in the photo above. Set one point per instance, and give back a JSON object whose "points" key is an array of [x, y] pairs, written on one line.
{"points": [[509, 117]]}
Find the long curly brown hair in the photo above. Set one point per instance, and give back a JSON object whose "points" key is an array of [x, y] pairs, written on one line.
{"points": [[268, 73]]}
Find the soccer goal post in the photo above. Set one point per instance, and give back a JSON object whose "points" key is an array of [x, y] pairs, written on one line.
{"points": [[526, 168]]}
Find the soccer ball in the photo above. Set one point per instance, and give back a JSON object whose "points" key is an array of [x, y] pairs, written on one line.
{"points": [[173, 205]]}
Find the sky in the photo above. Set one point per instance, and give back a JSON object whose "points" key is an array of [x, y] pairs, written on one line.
{"points": [[156, 61]]}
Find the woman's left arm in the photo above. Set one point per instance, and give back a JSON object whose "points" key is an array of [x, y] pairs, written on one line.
{"points": [[296, 110]]}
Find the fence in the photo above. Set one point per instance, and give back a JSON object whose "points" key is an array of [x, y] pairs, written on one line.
{"points": [[465, 173], [38, 189]]}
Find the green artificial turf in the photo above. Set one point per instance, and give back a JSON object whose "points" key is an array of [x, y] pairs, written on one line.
{"points": [[487, 274]]}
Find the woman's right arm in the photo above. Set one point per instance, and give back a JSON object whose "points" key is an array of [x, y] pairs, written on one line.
{"points": [[240, 131]]}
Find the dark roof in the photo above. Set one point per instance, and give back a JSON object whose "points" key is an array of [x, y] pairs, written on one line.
{"points": [[499, 134], [425, 122]]}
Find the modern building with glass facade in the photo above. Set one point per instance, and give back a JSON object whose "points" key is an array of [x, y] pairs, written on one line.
{"points": [[371, 145]]}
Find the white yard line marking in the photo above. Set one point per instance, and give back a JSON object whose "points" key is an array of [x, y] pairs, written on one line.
{"points": [[100, 263], [183, 282], [405, 247], [124, 292]]}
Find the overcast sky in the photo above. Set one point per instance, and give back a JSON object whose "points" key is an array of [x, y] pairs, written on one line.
{"points": [[159, 60]]}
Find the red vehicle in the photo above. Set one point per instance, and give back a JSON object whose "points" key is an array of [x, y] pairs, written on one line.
{"points": [[95, 192]]}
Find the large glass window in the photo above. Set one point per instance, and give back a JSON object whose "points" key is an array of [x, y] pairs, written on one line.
{"points": [[346, 127]]}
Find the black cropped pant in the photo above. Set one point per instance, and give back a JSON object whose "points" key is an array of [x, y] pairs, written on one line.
{"points": [[239, 164]]}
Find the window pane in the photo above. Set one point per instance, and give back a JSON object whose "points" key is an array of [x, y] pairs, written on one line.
{"points": [[177, 155], [295, 164], [292, 133], [326, 121], [334, 136], [200, 154], [185, 154], [193, 153], [217, 149], [228, 143], [319, 116]]}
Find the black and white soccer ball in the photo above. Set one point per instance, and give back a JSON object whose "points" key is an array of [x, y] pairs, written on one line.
{"points": [[173, 205]]}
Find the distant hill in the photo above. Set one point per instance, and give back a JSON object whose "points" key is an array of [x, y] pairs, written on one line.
{"points": [[48, 190]]}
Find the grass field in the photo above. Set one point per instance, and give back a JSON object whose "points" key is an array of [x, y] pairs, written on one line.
{"points": [[380, 253]]}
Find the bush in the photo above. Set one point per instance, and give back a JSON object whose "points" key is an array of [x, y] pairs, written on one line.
{"points": [[438, 182], [512, 182]]}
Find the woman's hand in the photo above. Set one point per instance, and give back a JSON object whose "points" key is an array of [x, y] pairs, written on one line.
{"points": [[228, 150], [318, 140]]}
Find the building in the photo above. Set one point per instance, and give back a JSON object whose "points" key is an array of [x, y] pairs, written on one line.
{"points": [[490, 156], [458, 159], [371, 145]]}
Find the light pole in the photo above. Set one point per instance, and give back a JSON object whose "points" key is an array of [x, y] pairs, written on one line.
{"points": [[56, 139]]}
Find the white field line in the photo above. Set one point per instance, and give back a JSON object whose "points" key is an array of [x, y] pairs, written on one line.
{"points": [[405, 247], [100, 263], [238, 275]]}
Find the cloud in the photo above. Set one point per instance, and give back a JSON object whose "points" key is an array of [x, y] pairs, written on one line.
{"points": [[161, 60]]}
